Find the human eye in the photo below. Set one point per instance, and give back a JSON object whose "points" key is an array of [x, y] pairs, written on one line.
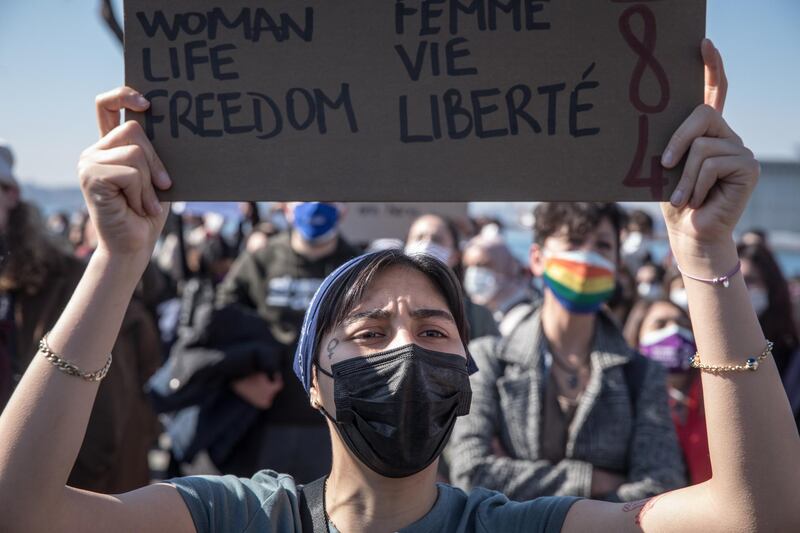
{"points": [[434, 333], [366, 335]]}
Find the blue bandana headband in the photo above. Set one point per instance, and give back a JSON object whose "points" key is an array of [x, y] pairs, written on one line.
{"points": [[304, 356]]}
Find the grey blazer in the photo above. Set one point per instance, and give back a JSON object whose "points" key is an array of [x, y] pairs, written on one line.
{"points": [[606, 432]]}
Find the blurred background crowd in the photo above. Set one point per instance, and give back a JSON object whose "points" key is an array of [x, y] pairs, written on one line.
{"points": [[202, 379]]}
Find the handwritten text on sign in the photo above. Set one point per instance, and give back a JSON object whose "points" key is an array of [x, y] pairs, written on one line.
{"points": [[433, 100]]}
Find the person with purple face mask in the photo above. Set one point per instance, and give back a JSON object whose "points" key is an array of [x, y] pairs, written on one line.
{"points": [[663, 333], [567, 375]]}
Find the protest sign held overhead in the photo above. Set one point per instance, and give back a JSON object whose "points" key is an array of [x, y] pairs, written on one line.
{"points": [[434, 100]]}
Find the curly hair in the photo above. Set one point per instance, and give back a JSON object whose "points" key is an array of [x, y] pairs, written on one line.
{"points": [[579, 218], [30, 256]]}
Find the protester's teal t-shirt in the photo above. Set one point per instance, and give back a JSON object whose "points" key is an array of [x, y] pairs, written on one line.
{"points": [[267, 503]]}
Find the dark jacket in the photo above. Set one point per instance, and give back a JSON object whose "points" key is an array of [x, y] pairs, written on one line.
{"points": [[607, 430], [480, 319], [279, 284], [220, 346]]}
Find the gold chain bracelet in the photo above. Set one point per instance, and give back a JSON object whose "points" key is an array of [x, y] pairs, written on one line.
{"points": [[71, 368], [751, 364]]}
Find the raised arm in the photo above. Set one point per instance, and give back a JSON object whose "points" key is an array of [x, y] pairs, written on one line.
{"points": [[45, 421], [753, 440]]}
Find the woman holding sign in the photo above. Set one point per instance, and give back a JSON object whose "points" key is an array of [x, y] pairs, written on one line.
{"points": [[383, 357]]}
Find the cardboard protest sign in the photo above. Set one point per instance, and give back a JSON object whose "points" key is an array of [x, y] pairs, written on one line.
{"points": [[367, 221], [432, 100]]}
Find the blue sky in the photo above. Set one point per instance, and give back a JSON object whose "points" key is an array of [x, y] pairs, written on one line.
{"points": [[55, 55]]}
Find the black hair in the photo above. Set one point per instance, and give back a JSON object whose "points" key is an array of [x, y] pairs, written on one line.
{"points": [[580, 218], [777, 320], [758, 232], [347, 291], [214, 248], [642, 219], [455, 235]]}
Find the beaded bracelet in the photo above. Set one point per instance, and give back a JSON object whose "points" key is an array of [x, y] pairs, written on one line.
{"points": [[751, 363], [71, 368]]}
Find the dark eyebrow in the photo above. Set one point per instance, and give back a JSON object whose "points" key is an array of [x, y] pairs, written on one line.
{"points": [[432, 313], [374, 314], [382, 314]]}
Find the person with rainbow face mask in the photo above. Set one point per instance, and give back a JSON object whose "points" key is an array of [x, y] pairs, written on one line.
{"points": [[567, 406]]}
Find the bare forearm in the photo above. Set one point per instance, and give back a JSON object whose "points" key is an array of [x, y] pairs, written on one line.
{"points": [[44, 423], [752, 437]]}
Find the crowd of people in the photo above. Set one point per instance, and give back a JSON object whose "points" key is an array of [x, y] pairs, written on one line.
{"points": [[338, 386], [591, 338]]}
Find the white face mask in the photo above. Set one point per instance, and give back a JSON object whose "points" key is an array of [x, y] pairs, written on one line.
{"points": [[679, 298], [649, 291], [759, 299], [429, 248], [481, 284], [636, 245]]}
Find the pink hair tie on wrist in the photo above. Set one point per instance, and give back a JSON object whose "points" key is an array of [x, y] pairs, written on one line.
{"points": [[725, 280]]}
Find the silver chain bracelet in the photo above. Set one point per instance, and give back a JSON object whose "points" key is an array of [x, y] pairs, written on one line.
{"points": [[71, 368]]}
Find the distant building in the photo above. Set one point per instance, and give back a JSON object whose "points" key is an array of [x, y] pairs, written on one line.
{"points": [[775, 205]]}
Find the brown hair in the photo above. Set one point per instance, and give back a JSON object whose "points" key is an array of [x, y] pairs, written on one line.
{"points": [[580, 218], [643, 220], [347, 291], [31, 257]]}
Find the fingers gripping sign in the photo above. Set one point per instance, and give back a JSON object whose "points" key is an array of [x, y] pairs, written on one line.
{"points": [[119, 175], [108, 106], [716, 82], [719, 174]]}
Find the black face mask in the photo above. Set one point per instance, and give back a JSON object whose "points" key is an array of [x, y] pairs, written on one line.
{"points": [[395, 409]]}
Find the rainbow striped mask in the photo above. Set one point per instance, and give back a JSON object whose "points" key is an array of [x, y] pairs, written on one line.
{"points": [[582, 281]]}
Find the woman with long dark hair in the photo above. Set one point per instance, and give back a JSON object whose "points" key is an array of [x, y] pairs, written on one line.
{"points": [[769, 295]]}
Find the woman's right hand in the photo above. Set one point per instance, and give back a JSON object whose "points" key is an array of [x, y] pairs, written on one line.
{"points": [[118, 175]]}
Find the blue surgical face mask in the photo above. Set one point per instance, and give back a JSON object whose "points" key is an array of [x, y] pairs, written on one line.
{"points": [[315, 221]]}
